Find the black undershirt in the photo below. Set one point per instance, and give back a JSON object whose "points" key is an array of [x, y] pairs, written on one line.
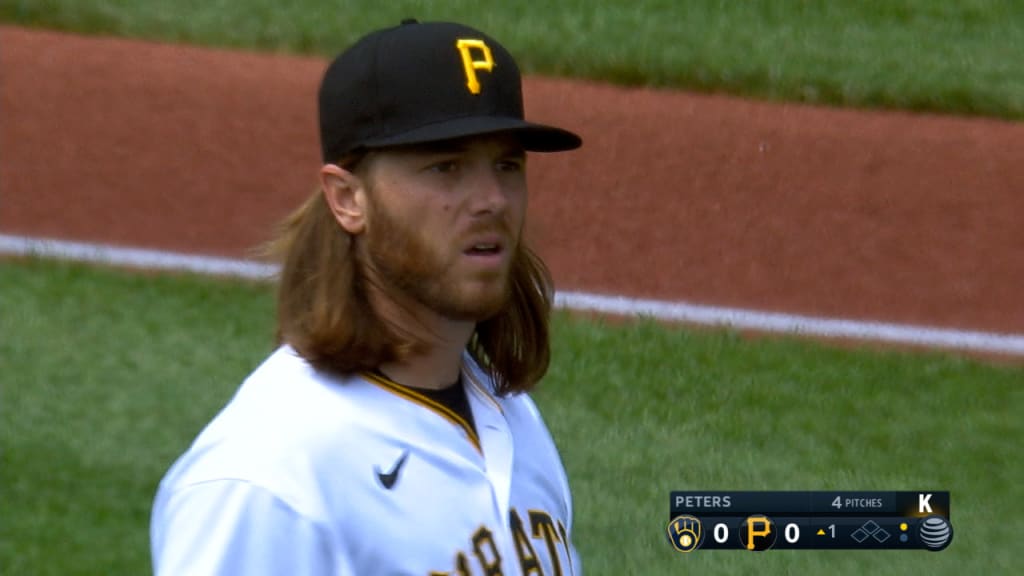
{"points": [[452, 397]]}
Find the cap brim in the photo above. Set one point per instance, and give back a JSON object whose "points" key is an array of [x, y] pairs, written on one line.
{"points": [[534, 137]]}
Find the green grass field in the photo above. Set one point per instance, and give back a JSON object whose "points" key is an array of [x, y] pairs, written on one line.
{"points": [[956, 56], [108, 375]]}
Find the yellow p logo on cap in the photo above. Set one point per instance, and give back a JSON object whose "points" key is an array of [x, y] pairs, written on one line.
{"points": [[465, 47]]}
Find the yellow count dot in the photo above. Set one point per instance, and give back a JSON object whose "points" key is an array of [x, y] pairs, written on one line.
{"points": [[903, 526]]}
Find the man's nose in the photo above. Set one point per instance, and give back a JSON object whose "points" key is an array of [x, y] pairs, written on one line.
{"points": [[490, 191]]}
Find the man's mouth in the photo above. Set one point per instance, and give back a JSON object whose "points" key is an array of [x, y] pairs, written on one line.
{"points": [[484, 243], [484, 249]]}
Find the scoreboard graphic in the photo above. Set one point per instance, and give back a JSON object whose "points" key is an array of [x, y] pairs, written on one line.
{"points": [[759, 521]]}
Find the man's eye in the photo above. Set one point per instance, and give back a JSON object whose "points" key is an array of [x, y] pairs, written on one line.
{"points": [[444, 167], [510, 165]]}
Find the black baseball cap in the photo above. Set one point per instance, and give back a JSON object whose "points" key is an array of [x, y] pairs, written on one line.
{"points": [[425, 82]]}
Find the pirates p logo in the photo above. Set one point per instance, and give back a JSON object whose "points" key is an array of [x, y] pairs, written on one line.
{"points": [[468, 48]]}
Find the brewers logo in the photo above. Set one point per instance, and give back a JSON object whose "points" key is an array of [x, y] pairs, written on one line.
{"points": [[685, 533]]}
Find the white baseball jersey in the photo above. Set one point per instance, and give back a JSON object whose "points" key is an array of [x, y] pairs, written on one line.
{"points": [[305, 473]]}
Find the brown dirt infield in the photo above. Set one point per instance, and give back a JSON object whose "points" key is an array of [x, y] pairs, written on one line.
{"points": [[714, 200]]}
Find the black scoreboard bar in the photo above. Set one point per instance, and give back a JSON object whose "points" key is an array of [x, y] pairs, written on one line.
{"points": [[874, 520]]}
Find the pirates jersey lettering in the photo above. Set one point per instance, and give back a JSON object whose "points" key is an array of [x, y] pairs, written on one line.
{"points": [[545, 530]]}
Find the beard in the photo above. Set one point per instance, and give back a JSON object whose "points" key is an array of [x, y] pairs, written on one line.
{"points": [[405, 264]]}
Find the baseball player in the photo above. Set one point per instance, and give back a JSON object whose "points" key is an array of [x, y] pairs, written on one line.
{"points": [[391, 432]]}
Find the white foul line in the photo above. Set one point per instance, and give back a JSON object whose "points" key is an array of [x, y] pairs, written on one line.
{"points": [[739, 319], [759, 321], [135, 257]]}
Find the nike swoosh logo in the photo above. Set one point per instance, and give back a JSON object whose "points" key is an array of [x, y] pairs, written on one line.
{"points": [[388, 479]]}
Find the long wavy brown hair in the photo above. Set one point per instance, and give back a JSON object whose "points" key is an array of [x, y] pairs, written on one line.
{"points": [[325, 310]]}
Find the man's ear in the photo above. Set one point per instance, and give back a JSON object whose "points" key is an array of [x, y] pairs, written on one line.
{"points": [[346, 196]]}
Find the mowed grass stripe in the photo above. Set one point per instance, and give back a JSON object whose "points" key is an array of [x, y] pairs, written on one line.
{"points": [[960, 57], [108, 374]]}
